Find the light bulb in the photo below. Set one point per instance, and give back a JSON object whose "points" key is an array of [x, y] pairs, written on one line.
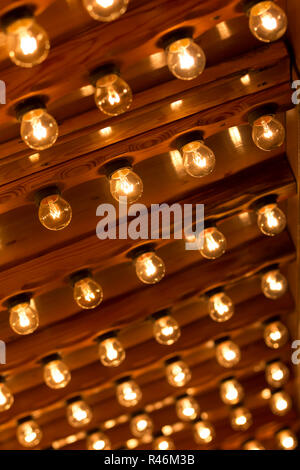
{"points": [[149, 267], [267, 21], [39, 130], [240, 418], [105, 10], [56, 372], [113, 95], [87, 292], [204, 432], [253, 445], [178, 373], [27, 42], [29, 433], [186, 60], [214, 243], [187, 408], [220, 307], [125, 183], [277, 374], [286, 439], [280, 403], [111, 352], [78, 412], [231, 392], [271, 220], [198, 159], [141, 424], [268, 133], [273, 284], [166, 330], [54, 212], [98, 441], [228, 353], [128, 393], [6, 397], [163, 443], [275, 335], [23, 318]]}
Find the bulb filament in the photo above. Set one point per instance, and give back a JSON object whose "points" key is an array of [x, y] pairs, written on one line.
{"points": [[220, 307], [269, 22], [55, 212], [128, 393], [186, 60], [150, 268], [28, 44], [3, 399], [105, 3], [113, 97], [212, 245]]}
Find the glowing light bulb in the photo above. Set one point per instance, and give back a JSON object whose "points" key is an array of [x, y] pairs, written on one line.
{"points": [[267, 21], [141, 424], [28, 432], [39, 130], [286, 439], [98, 441], [105, 10], [111, 352], [240, 418], [163, 443], [178, 373], [27, 42], [228, 353], [280, 403], [187, 408], [149, 267], [204, 432], [253, 445], [78, 412], [86, 291], [6, 397], [113, 95], [166, 330], [186, 60], [56, 372], [198, 159], [268, 133], [271, 220], [55, 213], [273, 284], [23, 318], [214, 243], [128, 392], [231, 392], [275, 335], [220, 307], [277, 374], [125, 183]]}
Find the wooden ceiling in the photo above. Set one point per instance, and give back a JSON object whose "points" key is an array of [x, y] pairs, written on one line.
{"points": [[241, 74]]}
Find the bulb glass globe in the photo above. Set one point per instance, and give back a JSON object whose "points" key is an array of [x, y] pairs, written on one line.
{"points": [[27, 42], [55, 213], [186, 60], [267, 21], [198, 159], [113, 95], [105, 10]]}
